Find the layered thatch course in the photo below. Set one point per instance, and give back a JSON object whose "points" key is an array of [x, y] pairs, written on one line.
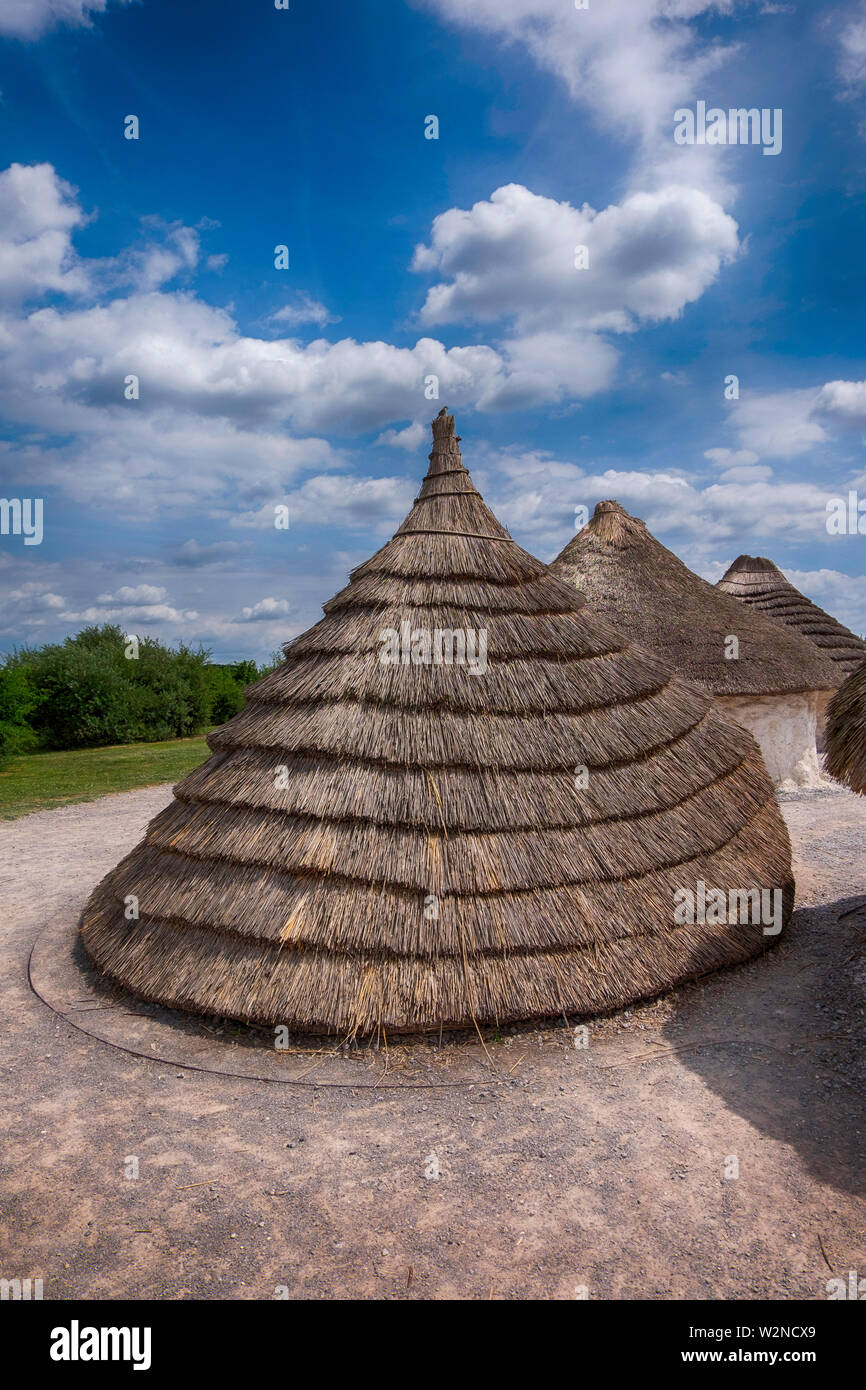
{"points": [[407, 846], [641, 587], [846, 732], [756, 581]]}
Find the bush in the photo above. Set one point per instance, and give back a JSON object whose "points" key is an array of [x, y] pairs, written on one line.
{"points": [[17, 702], [87, 691], [226, 693], [15, 739]]}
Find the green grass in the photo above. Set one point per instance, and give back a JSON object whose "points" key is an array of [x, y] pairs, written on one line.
{"points": [[41, 781]]}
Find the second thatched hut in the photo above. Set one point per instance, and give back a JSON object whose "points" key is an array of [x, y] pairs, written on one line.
{"points": [[767, 677]]}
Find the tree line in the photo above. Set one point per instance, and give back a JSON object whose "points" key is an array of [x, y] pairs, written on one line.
{"points": [[101, 687]]}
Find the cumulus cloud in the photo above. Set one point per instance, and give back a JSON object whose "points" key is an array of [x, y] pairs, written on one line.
{"points": [[139, 605], [843, 401], [303, 309], [140, 596], [785, 424], [36, 593], [142, 615], [28, 609], [410, 438], [648, 257], [264, 610], [29, 19], [38, 214]]}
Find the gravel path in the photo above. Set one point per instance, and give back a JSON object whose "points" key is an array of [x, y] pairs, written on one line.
{"points": [[601, 1169]]}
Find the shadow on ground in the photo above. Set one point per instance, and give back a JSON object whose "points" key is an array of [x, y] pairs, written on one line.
{"points": [[789, 1044]]}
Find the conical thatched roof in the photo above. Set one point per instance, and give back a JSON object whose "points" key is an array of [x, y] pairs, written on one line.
{"points": [[846, 732], [758, 582], [636, 583], [427, 856]]}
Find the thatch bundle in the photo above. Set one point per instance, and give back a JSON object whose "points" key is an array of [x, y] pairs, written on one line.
{"points": [[641, 587], [846, 732], [756, 581], [405, 846]]}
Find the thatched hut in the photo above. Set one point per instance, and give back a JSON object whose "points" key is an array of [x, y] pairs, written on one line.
{"points": [[384, 840], [770, 679], [755, 580], [846, 732]]}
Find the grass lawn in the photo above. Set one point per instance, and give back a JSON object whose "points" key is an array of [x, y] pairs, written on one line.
{"points": [[40, 781]]}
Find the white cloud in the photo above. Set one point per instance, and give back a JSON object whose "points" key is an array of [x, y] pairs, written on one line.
{"points": [[38, 213], [514, 255], [553, 366], [265, 609], [28, 19], [780, 424], [410, 438], [143, 615], [33, 596], [142, 595], [843, 401], [303, 309], [785, 424], [140, 605]]}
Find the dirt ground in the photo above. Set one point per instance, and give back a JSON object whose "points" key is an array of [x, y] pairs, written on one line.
{"points": [[563, 1171]]}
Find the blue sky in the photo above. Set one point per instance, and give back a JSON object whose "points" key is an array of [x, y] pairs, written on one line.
{"points": [[411, 257]]}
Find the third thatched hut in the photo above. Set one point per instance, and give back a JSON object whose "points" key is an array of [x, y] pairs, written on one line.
{"points": [[755, 580]]}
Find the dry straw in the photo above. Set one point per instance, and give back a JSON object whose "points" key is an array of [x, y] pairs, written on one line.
{"points": [[430, 857], [846, 732], [630, 578], [756, 581]]}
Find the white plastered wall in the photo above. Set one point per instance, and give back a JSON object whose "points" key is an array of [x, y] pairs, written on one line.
{"points": [[785, 726], [824, 697]]}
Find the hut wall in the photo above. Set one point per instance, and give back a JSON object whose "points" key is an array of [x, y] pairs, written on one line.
{"points": [[824, 698], [785, 726]]}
